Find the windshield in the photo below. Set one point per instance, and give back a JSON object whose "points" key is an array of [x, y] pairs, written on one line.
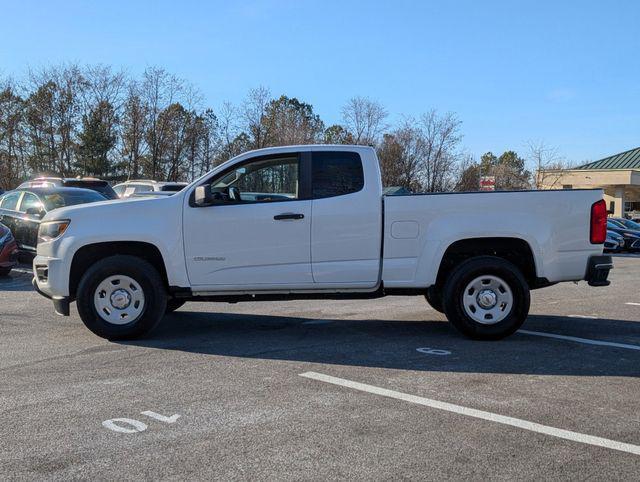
{"points": [[57, 200], [611, 223], [627, 223], [99, 186]]}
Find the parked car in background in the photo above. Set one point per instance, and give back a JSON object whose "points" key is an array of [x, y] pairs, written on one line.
{"points": [[128, 188], [631, 236], [22, 209], [614, 242], [8, 251], [98, 185], [626, 223]]}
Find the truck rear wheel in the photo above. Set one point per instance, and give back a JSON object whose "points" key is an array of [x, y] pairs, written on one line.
{"points": [[121, 297], [486, 298], [434, 298]]}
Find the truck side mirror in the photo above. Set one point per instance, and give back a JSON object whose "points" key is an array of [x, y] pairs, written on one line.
{"points": [[203, 196]]}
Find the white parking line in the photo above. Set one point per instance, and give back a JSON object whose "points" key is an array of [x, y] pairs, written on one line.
{"points": [[472, 412], [581, 340], [632, 304], [586, 317]]}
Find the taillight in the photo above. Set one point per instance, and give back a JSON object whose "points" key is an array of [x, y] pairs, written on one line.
{"points": [[598, 222]]}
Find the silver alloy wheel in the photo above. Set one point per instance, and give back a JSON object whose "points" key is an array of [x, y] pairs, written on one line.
{"points": [[119, 300], [487, 300]]}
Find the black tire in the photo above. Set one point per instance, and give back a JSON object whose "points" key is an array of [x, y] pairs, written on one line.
{"points": [[434, 298], [5, 271], [155, 297], [467, 272], [173, 304]]}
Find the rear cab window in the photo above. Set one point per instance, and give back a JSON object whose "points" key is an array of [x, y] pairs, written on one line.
{"points": [[336, 173]]}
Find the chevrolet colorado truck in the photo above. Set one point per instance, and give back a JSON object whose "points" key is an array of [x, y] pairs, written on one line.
{"points": [[305, 222]]}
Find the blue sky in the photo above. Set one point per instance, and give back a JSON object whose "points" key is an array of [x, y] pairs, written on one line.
{"points": [[565, 72]]}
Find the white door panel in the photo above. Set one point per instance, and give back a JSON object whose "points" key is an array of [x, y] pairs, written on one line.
{"points": [[346, 239], [244, 245]]}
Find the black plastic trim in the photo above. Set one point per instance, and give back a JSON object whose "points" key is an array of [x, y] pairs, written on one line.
{"points": [[598, 270], [488, 192]]}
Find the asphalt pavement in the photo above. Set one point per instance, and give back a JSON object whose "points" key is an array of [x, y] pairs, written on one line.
{"points": [[371, 389]]}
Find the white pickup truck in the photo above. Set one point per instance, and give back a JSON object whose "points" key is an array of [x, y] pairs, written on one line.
{"points": [[309, 222]]}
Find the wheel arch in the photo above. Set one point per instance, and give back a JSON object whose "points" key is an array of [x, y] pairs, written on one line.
{"points": [[91, 253], [515, 250]]}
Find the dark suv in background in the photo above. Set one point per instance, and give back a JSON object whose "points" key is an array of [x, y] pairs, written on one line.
{"points": [[97, 185]]}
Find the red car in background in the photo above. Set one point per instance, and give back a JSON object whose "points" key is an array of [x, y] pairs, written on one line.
{"points": [[8, 251]]}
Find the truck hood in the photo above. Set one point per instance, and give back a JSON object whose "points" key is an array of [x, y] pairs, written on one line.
{"points": [[109, 208]]}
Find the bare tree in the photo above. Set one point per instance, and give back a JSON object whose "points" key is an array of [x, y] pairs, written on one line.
{"points": [[365, 119], [134, 127], [104, 85], [547, 163], [441, 138], [422, 155], [254, 110], [12, 141], [160, 89]]}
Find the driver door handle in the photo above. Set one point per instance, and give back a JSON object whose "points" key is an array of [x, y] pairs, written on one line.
{"points": [[280, 217]]}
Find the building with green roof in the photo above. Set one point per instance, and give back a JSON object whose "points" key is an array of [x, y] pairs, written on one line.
{"points": [[617, 175]]}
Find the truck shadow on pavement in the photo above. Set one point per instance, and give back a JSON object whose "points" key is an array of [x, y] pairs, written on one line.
{"points": [[394, 344]]}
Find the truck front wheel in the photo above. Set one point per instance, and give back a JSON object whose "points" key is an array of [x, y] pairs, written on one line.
{"points": [[486, 298], [121, 297]]}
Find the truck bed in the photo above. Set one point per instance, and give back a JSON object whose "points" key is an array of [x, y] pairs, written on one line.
{"points": [[418, 229]]}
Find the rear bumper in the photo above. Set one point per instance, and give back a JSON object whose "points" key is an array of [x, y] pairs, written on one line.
{"points": [[598, 270]]}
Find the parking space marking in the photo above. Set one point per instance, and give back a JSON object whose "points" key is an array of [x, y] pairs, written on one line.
{"points": [[632, 304], [586, 317], [586, 341], [161, 418], [115, 424], [136, 426], [480, 414], [433, 351]]}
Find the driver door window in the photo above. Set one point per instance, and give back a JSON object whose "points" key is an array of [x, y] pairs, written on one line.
{"points": [[265, 180]]}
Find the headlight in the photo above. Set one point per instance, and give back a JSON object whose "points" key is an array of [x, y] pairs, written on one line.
{"points": [[51, 230]]}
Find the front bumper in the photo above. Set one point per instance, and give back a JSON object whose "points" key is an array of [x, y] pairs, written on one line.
{"points": [[60, 304], [51, 281], [598, 270]]}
